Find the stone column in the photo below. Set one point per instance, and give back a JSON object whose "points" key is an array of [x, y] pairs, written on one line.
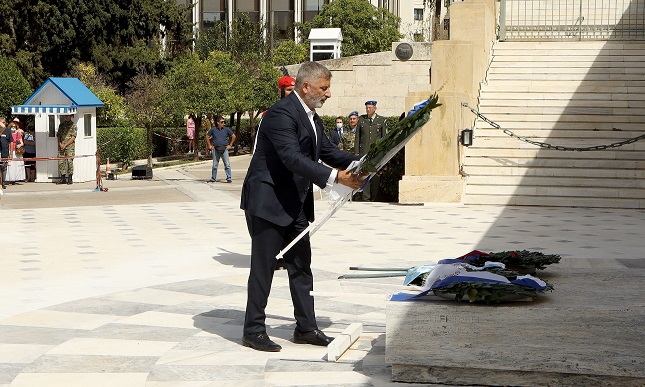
{"points": [[433, 157]]}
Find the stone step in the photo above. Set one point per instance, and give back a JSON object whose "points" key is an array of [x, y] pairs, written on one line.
{"points": [[557, 190], [509, 118], [474, 183], [565, 125], [552, 201], [498, 164], [546, 53], [562, 171], [563, 57], [487, 146], [563, 110], [484, 103], [508, 68], [624, 152], [557, 95], [585, 86], [507, 74], [587, 62], [508, 155], [570, 46]]}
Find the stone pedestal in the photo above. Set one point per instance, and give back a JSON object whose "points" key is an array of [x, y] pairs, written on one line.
{"points": [[587, 332]]}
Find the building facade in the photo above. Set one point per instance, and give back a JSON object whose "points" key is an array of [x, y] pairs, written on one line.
{"points": [[281, 15]]}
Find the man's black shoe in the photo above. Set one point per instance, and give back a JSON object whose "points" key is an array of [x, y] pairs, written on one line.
{"points": [[315, 337], [260, 342]]}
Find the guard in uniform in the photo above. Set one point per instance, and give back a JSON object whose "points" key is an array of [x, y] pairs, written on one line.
{"points": [[66, 139], [347, 140], [371, 127]]}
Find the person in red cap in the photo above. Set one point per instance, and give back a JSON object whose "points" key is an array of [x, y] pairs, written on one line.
{"points": [[286, 84]]}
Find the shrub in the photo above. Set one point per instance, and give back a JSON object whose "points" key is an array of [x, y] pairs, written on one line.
{"points": [[122, 144]]}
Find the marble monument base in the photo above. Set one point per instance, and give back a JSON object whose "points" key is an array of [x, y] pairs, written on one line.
{"points": [[587, 332]]}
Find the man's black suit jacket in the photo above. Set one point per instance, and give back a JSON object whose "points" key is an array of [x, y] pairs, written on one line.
{"points": [[334, 136], [278, 184]]}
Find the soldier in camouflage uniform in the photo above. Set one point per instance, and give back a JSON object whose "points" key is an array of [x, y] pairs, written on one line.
{"points": [[66, 138], [349, 135], [371, 127]]}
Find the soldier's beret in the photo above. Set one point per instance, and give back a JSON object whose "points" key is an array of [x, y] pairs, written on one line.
{"points": [[370, 103]]}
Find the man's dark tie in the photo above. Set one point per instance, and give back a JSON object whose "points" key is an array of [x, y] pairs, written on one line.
{"points": [[316, 119]]}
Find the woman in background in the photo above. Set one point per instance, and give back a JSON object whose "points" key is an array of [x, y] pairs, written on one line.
{"points": [[190, 132], [16, 167]]}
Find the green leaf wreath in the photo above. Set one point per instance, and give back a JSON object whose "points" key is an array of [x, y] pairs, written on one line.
{"points": [[489, 292], [521, 261], [386, 147]]}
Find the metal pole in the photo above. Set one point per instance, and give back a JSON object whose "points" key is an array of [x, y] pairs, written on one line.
{"points": [[580, 24], [502, 20]]}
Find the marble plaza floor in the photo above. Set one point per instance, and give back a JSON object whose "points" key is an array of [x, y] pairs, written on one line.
{"points": [[145, 284]]}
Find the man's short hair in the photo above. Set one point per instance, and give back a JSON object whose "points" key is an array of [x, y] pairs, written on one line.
{"points": [[338, 118], [311, 72]]}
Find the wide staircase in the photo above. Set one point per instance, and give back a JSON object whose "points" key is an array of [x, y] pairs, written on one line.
{"points": [[566, 94]]}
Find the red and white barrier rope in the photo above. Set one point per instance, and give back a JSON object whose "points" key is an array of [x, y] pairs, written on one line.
{"points": [[170, 138]]}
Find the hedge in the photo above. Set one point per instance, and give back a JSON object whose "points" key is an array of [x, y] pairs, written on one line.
{"points": [[128, 144]]}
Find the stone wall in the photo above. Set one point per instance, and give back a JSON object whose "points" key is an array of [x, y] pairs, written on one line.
{"points": [[380, 76]]}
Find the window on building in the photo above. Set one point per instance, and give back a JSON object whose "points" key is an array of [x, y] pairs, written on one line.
{"points": [[188, 4], [52, 126], [418, 14], [312, 8], [248, 7], [282, 18], [87, 125], [213, 11]]}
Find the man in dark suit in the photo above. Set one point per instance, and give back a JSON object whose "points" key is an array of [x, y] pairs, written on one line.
{"points": [[278, 202], [337, 132]]}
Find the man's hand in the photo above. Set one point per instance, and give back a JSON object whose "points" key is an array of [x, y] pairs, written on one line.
{"points": [[351, 180]]}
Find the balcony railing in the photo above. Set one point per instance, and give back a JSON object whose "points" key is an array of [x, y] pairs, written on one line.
{"points": [[572, 20]]}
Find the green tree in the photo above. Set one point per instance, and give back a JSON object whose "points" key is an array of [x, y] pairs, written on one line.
{"points": [[249, 66], [259, 79], [113, 112], [144, 100], [365, 28], [120, 38], [289, 52], [199, 87], [14, 88]]}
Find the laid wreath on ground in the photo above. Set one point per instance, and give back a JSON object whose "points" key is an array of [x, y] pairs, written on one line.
{"points": [[489, 292], [522, 261], [458, 278]]}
